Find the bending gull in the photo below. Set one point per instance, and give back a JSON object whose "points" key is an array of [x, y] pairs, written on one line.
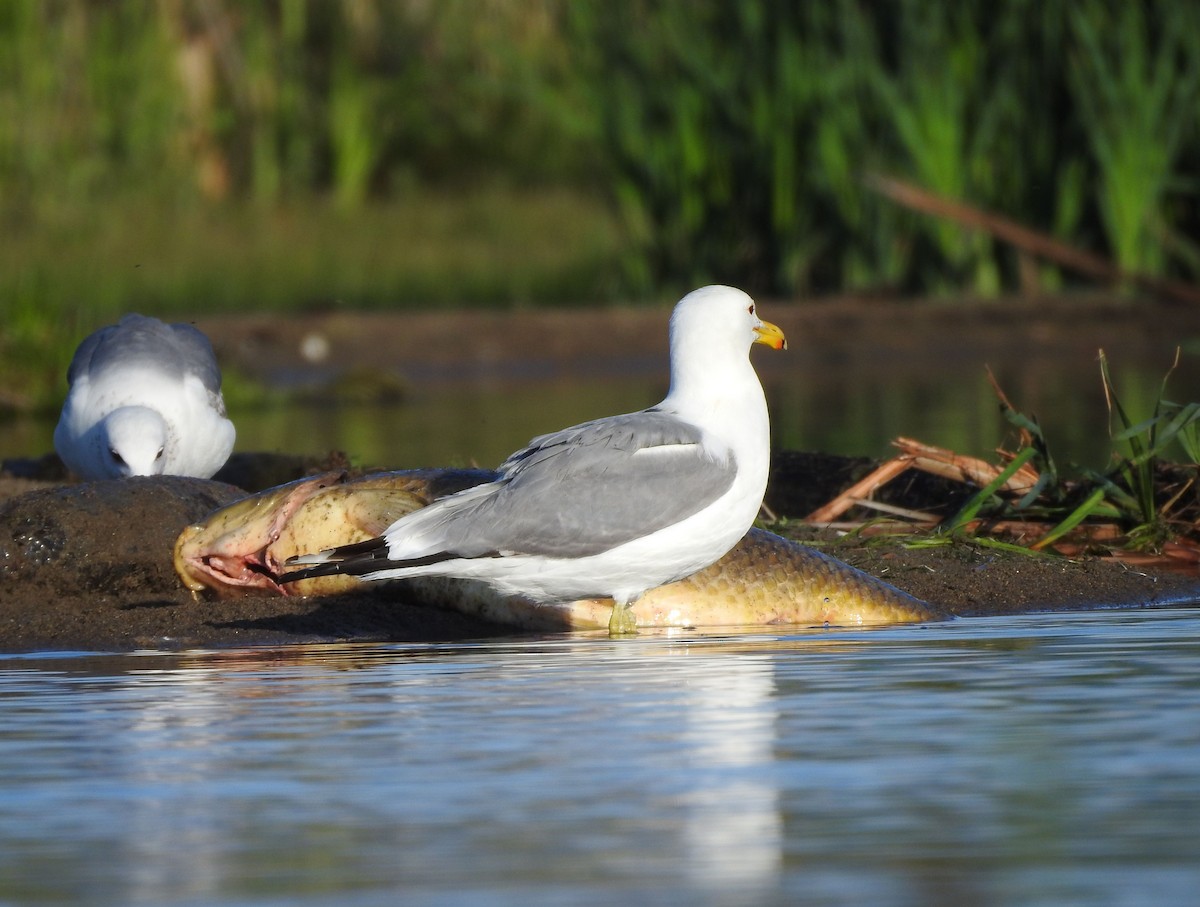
{"points": [[612, 507], [144, 399]]}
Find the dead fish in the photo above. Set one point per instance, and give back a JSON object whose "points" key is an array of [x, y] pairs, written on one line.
{"points": [[764, 580], [240, 548]]}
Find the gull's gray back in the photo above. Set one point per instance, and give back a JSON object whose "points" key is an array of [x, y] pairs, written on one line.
{"points": [[580, 491], [137, 340]]}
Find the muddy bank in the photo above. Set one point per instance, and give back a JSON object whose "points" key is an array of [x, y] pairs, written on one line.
{"points": [[88, 567], [866, 335]]}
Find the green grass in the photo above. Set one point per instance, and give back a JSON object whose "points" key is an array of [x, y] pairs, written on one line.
{"points": [[1130, 493], [72, 270], [1135, 91], [271, 156]]}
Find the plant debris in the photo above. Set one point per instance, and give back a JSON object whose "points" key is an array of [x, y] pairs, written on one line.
{"points": [[1143, 510]]}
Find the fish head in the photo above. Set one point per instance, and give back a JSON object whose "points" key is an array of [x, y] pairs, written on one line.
{"points": [[229, 550], [241, 548]]}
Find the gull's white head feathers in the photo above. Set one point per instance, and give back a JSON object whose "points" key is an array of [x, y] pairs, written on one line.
{"points": [[131, 441], [712, 331], [719, 317]]}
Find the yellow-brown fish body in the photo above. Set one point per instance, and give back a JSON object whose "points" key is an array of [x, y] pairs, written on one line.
{"points": [[767, 579], [764, 580]]}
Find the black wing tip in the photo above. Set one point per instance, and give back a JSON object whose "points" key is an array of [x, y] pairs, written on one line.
{"points": [[369, 560], [356, 567], [351, 560], [316, 570]]}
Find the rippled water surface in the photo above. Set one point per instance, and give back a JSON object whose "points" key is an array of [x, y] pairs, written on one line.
{"points": [[1047, 759]]}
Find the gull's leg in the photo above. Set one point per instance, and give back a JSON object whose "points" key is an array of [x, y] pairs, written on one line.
{"points": [[623, 621]]}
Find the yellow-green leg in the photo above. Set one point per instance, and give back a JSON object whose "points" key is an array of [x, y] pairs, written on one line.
{"points": [[623, 621]]}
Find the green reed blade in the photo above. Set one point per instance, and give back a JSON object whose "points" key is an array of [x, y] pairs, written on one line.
{"points": [[971, 509], [1077, 516]]}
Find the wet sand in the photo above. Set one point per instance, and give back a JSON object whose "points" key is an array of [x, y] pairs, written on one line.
{"points": [[87, 567]]}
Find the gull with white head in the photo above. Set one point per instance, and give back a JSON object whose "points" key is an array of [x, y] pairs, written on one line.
{"points": [[612, 507], [144, 399]]}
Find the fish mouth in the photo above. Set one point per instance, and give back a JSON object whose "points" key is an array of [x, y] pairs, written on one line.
{"points": [[231, 549], [242, 572], [225, 573]]}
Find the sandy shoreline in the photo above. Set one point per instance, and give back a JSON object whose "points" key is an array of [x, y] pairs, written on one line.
{"points": [[80, 571], [88, 568]]}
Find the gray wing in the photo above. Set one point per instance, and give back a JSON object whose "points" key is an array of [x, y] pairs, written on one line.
{"points": [[590, 488], [137, 340], [196, 355]]}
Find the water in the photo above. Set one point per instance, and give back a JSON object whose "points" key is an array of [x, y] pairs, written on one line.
{"points": [[1043, 759], [841, 398]]}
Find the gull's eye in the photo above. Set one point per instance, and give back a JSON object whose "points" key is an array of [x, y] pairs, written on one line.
{"points": [[751, 309], [158, 456], [116, 456]]}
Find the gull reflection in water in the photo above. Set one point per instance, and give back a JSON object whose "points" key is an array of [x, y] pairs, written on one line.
{"points": [[648, 764], [734, 831]]}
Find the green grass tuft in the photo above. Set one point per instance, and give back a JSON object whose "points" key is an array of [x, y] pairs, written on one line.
{"points": [[71, 271]]}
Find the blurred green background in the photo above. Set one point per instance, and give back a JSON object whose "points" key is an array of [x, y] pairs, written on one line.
{"points": [[198, 156]]}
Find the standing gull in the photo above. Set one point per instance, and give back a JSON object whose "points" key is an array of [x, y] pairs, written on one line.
{"points": [[144, 399], [612, 507]]}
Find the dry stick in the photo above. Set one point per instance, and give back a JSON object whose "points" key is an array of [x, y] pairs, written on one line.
{"points": [[1035, 529], [1025, 239], [918, 517], [861, 489], [926, 457], [949, 465]]}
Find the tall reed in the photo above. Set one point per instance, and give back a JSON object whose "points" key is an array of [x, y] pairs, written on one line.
{"points": [[1135, 72], [731, 139]]}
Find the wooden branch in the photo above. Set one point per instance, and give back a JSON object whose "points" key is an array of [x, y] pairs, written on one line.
{"points": [[916, 517], [958, 468], [1027, 240], [861, 489]]}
